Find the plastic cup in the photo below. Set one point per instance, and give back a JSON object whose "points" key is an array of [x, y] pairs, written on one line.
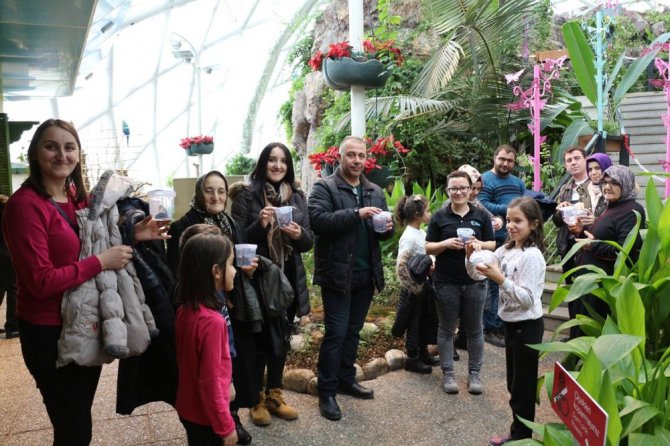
{"points": [[569, 215], [284, 215], [464, 234], [244, 254], [161, 204], [379, 221]]}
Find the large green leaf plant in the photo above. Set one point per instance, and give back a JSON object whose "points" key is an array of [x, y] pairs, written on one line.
{"points": [[623, 362], [583, 64]]}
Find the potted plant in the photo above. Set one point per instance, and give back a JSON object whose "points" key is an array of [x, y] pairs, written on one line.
{"points": [[198, 145], [386, 157], [343, 67]]}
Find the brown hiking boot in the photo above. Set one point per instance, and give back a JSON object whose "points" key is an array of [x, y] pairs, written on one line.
{"points": [[275, 404], [259, 414]]}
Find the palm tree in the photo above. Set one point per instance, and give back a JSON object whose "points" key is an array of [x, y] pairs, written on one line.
{"points": [[465, 73]]}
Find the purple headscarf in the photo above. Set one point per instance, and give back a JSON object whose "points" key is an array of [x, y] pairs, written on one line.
{"points": [[601, 158]]}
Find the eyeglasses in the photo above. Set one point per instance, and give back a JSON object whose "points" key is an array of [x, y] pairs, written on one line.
{"points": [[610, 183], [506, 160], [462, 189]]}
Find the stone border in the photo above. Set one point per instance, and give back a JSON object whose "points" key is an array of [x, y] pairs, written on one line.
{"points": [[304, 380]]}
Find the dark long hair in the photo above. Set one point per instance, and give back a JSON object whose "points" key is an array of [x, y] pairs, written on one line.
{"points": [[198, 255], [533, 213], [74, 181], [410, 207], [259, 175]]}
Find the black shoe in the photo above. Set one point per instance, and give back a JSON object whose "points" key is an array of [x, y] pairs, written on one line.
{"points": [[427, 358], [417, 366], [12, 334], [243, 437], [356, 390], [456, 356], [329, 408]]}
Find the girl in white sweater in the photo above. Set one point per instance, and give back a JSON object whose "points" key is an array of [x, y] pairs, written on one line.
{"points": [[521, 280]]}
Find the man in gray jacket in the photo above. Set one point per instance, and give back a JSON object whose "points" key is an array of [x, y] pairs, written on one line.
{"points": [[347, 266]]}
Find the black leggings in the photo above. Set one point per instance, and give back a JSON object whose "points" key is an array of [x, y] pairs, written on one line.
{"points": [[67, 391], [199, 435]]}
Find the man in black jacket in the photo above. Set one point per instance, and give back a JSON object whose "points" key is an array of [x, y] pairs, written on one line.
{"points": [[347, 266]]}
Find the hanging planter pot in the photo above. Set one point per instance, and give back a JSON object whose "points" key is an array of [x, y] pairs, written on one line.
{"points": [[381, 177], [200, 149], [342, 73]]}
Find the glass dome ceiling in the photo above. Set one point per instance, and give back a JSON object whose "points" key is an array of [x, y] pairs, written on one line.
{"points": [[169, 69], [166, 69]]}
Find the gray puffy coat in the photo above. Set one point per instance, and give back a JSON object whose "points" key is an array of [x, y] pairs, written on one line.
{"points": [[105, 317]]}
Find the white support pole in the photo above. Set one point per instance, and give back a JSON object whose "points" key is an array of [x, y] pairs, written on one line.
{"points": [[357, 93]]}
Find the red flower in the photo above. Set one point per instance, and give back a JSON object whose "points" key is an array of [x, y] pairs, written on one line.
{"points": [[338, 50], [370, 165], [185, 143], [316, 61], [330, 157], [369, 47]]}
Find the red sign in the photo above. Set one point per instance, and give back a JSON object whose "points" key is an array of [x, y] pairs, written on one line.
{"points": [[581, 414]]}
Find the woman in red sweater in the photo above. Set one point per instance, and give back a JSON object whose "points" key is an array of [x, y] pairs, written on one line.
{"points": [[42, 237], [203, 353]]}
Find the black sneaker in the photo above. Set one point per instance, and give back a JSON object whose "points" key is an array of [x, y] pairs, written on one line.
{"points": [[12, 334]]}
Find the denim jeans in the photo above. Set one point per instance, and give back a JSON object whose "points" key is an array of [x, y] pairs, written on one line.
{"points": [[492, 322], [344, 314], [468, 300]]}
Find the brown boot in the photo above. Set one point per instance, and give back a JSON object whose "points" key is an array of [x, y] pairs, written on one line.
{"points": [[259, 414], [274, 402]]}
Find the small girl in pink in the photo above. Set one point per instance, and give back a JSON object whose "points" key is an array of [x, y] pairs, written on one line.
{"points": [[203, 354]]}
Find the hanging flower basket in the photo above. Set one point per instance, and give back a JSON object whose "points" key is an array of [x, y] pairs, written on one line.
{"points": [[201, 149], [197, 145], [342, 73]]}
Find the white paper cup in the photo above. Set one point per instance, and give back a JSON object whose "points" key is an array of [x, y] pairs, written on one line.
{"points": [[379, 221], [244, 254], [284, 215], [464, 234]]}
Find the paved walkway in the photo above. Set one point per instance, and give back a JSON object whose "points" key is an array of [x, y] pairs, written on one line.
{"points": [[407, 409]]}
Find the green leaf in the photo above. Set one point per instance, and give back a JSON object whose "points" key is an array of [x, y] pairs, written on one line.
{"points": [[590, 374], [611, 349], [629, 309], [570, 138], [582, 58], [653, 203], [607, 400], [615, 72], [579, 346], [582, 285], [637, 439], [628, 244], [635, 70], [635, 414], [557, 435]]}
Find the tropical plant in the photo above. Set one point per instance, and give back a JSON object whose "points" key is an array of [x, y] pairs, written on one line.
{"points": [[464, 72], [240, 164], [583, 63], [623, 362]]}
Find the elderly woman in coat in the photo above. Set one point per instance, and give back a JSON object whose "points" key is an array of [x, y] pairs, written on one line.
{"points": [[619, 189]]}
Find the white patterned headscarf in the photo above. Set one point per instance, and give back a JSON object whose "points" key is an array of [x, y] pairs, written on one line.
{"points": [[625, 177]]}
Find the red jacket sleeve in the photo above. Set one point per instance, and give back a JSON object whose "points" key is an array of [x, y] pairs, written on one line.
{"points": [[215, 375]]}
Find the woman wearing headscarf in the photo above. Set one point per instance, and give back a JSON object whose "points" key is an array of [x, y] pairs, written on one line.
{"points": [[596, 164], [273, 185], [614, 224], [209, 206]]}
